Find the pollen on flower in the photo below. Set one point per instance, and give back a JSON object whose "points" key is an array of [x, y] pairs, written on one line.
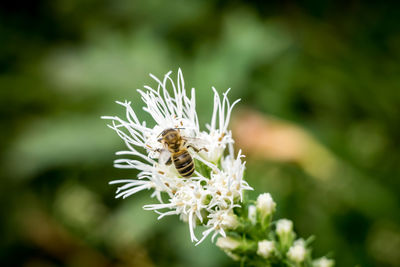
{"points": [[211, 195]]}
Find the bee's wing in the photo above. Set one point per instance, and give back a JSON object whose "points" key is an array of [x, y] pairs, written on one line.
{"points": [[164, 157]]}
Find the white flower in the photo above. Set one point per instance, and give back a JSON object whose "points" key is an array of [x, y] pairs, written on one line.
{"points": [[283, 227], [187, 201], [227, 243], [218, 134], [265, 205], [219, 221], [227, 184], [323, 262], [297, 252], [212, 195], [265, 248]]}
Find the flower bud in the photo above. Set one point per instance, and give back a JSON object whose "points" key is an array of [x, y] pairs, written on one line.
{"points": [[227, 243], [284, 230], [265, 205], [252, 214], [297, 252], [229, 221], [265, 248], [323, 262], [284, 227], [232, 255]]}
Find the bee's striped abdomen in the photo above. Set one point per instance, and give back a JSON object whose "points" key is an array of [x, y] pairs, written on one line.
{"points": [[183, 163]]}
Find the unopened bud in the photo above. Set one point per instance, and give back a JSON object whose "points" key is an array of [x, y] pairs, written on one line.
{"points": [[265, 248], [297, 252], [265, 205], [283, 227], [227, 243], [229, 220], [252, 214], [323, 262]]}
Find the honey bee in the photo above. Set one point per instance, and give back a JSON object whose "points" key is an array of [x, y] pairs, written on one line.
{"points": [[177, 146]]}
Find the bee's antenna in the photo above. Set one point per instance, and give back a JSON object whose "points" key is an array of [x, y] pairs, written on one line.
{"points": [[160, 133]]}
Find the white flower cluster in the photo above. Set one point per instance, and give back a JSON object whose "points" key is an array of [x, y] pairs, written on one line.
{"points": [[204, 197]]}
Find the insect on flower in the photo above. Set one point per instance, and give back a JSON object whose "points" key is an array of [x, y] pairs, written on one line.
{"points": [[204, 193], [177, 146], [210, 193]]}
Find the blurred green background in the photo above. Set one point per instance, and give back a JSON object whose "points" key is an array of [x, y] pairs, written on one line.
{"points": [[331, 68]]}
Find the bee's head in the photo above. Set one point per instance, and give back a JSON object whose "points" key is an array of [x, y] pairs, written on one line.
{"points": [[170, 136]]}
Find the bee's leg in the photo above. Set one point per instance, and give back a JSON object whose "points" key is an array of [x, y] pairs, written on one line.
{"points": [[169, 161], [198, 150]]}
